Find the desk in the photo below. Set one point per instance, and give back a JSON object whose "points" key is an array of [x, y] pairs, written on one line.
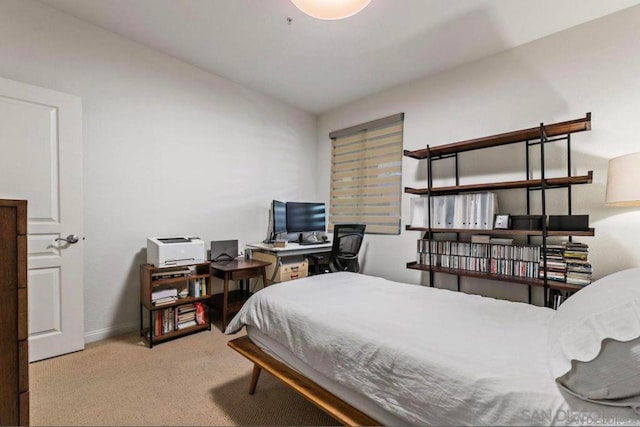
{"points": [[291, 251], [236, 270], [292, 248]]}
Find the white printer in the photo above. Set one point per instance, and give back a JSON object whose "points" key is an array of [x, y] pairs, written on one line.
{"points": [[172, 251]]}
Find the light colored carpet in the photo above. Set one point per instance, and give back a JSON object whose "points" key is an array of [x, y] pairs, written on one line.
{"points": [[194, 380]]}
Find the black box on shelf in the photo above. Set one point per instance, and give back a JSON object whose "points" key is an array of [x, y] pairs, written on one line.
{"points": [[527, 222], [569, 222]]}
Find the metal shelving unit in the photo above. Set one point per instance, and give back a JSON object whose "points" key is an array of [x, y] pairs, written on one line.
{"points": [[537, 137]]}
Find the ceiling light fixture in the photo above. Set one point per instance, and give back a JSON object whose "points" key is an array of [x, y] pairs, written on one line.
{"points": [[331, 9]]}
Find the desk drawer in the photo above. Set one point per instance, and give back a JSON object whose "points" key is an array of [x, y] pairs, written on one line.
{"points": [[292, 271], [285, 277], [294, 268], [283, 272]]}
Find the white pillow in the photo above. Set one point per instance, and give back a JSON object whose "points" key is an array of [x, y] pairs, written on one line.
{"points": [[613, 374], [594, 345]]}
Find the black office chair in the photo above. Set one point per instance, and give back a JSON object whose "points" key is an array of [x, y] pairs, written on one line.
{"points": [[347, 239]]}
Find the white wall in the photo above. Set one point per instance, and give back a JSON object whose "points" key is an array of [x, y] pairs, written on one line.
{"points": [[593, 67], [168, 149]]}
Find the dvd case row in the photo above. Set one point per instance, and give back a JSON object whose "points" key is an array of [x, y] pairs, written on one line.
{"points": [[513, 260], [482, 250]]}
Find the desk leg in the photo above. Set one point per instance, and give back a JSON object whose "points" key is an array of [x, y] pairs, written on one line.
{"points": [[264, 277], [225, 301]]}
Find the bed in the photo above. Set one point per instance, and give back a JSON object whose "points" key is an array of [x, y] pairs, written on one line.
{"points": [[410, 355]]}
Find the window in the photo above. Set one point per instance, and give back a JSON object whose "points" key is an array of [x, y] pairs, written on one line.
{"points": [[366, 175]]}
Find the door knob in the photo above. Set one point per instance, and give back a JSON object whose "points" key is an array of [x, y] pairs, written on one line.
{"points": [[71, 238]]}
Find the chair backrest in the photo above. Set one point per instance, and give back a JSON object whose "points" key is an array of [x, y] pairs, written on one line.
{"points": [[347, 239]]}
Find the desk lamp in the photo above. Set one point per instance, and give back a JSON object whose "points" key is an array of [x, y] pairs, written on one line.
{"points": [[623, 181]]}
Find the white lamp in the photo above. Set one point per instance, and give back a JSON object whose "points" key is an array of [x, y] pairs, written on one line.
{"points": [[331, 9], [623, 181]]}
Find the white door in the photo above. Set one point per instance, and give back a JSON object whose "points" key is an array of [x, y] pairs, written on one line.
{"points": [[41, 161]]}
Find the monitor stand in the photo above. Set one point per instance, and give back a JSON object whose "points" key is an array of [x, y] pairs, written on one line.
{"points": [[311, 240]]}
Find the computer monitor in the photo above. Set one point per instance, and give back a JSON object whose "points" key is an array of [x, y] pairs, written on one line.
{"points": [[305, 217], [279, 214]]}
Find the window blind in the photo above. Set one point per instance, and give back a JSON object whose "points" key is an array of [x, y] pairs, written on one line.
{"points": [[366, 175]]}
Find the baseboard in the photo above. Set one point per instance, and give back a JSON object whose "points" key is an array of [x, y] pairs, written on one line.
{"points": [[111, 331]]}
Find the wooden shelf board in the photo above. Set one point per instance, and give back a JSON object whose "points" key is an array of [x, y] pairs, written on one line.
{"points": [[531, 134], [499, 277], [174, 334], [180, 301], [159, 282], [507, 185], [554, 233]]}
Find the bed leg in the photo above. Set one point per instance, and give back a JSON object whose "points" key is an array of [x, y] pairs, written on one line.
{"points": [[254, 378]]}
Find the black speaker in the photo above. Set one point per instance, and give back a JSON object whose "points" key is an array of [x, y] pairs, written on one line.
{"points": [[569, 222]]}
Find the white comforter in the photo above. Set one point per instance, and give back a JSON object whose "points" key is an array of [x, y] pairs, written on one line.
{"points": [[428, 356]]}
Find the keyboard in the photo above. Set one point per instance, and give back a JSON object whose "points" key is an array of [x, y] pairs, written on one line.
{"points": [[307, 243]]}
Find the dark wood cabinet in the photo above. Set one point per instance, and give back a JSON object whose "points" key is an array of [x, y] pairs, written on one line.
{"points": [[14, 352]]}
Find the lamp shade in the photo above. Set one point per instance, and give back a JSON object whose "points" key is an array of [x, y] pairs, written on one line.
{"points": [[331, 9], [623, 181]]}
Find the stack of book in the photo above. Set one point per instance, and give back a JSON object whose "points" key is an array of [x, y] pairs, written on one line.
{"points": [[162, 296], [171, 273], [556, 266], [568, 263], [186, 316], [578, 267]]}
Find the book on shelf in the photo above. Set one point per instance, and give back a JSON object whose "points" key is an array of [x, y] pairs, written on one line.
{"points": [[186, 324], [163, 321], [571, 255], [171, 273], [480, 238], [167, 320], [557, 276], [157, 324], [579, 267], [164, 292], [558, 297], [578, 279], [186, 316], [556, 265], [185, 308], [501, 240], [164, 301], [466, 211], [195, 288]]}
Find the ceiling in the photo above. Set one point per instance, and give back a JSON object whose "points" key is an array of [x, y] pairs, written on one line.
{"points": [[318, 65]]}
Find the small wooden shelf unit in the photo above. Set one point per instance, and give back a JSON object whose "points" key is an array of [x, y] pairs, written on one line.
{"points": [[148, 284], [536, 136]]}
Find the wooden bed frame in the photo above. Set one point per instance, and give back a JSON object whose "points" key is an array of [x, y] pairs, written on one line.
{"points": [[328, 402]]}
